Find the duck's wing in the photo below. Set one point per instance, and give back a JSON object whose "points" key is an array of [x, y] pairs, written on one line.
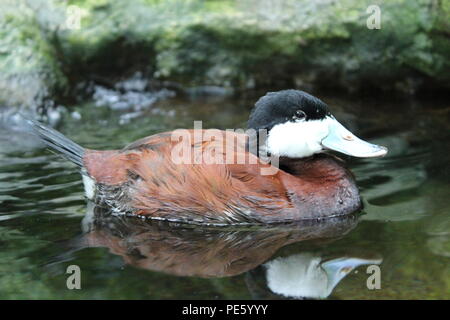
{"points": [[180, 176]]}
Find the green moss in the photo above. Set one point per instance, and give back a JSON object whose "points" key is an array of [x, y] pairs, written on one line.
{"points": [[229, 43], [29, 70]]}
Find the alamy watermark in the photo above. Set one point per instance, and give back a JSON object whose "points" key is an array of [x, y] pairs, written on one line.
{"points": [[374, 280], [374, 20], [74, 280], [74, 15]]}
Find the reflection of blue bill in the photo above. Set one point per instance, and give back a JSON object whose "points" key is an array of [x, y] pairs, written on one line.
{"points": [[306, 275]]}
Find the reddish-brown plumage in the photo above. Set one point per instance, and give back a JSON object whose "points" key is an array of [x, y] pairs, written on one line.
{"points": [[143, 179]]}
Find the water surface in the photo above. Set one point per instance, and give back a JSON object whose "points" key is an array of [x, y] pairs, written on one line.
{"points": [[405, 226]]}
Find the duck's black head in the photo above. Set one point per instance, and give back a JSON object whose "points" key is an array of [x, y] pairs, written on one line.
{"points": [[299, 125], [287, 105]]}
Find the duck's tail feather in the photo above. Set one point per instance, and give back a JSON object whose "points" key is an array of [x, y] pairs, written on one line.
{"points": [[58, 142]]}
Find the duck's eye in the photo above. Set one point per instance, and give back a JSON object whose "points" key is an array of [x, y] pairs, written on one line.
{"points": [[299, 115]]}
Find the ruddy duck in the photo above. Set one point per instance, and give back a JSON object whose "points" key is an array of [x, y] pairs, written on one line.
{"points": [[147, 178]]}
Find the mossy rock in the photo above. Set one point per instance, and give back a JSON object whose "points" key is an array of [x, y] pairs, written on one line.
{"points": [[30, 74], [250, 43], [240, 44]]}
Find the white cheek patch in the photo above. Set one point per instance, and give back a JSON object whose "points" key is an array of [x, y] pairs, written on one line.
{"points": [[297, 139]]}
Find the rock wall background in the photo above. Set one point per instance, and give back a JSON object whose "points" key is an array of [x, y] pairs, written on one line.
{"points": [[51, 51]]}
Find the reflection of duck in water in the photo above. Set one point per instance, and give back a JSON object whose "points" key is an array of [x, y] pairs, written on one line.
{"points": [[205, 252], [181, 250], [148, 178], [308, 275]]}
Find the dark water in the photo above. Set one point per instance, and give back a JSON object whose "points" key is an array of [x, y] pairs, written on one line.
{"points": [[46, 225]]}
